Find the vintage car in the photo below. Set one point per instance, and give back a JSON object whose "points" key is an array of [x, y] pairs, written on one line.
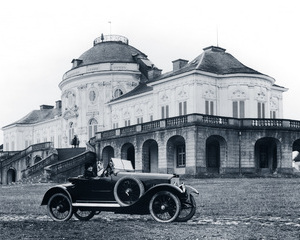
{"points": [[120, 189]]}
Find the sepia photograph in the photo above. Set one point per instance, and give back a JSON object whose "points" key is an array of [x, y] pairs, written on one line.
{"points": [[149, 120]]}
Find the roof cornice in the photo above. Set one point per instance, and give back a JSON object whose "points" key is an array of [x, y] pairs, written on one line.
{"points": [[233, 75]]}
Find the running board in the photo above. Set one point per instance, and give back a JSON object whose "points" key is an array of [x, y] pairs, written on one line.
{"points": [[96, 205]]}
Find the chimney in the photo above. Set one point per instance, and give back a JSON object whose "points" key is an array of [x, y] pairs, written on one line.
{"points": [[43, 107], [179, 63], [58, 104]]}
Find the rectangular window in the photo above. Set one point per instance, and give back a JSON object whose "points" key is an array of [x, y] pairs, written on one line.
{"points": [[115, 125], [26, 144], [272, 114], [151, 118], [235, 109], [139, 120], [127, 123], [181, 156], [209, 107], [165, 111], [260, 110], [206, 107], [59, 141], [238, 109], [182, 108], [242, 109]]}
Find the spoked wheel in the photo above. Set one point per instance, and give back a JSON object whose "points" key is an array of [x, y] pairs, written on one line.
{"points": [[164, 206], [84, 215], [60, 207], [128, 190], [188, 210]]}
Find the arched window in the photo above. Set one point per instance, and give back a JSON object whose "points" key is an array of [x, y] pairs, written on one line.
{"points": [[92, 127]]}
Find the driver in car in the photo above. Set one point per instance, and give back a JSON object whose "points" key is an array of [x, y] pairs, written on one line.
{"points": [[89, 173]]}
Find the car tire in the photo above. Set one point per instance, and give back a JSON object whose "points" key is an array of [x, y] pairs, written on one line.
{"points": [[188, 210], [84, 215], [128, 190], [164, 206], [60, 207]]}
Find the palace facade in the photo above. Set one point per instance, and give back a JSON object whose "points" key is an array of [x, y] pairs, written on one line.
{"points": [[187, 121]]}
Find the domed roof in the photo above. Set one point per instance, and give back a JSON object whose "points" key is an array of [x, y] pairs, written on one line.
{"points": [[109, 49]]}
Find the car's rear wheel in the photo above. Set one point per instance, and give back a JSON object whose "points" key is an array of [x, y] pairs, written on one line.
{"points": [[188, 210], [84, 215], [128, 190], [164, 206], [60, 207]]}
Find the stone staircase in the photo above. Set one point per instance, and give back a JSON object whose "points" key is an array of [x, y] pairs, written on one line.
{"points": [[36, 173]]}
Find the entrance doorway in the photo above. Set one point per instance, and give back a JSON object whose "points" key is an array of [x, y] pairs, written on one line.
{"points": [[11, 176], [266, 155], [150, 156]]}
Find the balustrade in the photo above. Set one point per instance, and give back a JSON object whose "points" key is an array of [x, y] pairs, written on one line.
{"points": [[176, 121], [204, 120], [23, 153], [110, 133], [130, 129], [40, 165], [215, 120], [150, 125], [267, 123], [295, 124]]}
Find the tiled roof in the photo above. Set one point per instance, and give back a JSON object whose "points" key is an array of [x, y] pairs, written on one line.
{"points": [[37, 116], [214, 60], [110, 52]]}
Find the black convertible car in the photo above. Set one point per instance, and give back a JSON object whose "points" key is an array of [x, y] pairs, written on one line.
{"points": [[122, 190]]}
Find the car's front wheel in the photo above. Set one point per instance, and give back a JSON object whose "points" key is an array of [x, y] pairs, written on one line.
{"points": [[164, 206], [188, 210], [84, 215], [60, 207]]}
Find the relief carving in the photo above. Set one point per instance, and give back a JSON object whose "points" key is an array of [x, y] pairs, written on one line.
{"points": [[209, 94], [238, 94]]}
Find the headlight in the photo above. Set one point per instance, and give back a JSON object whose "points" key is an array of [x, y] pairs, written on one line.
{"points": [[175, 181]]}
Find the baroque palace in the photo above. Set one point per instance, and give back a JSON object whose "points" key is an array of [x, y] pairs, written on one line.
{"points": [[210, 115]]}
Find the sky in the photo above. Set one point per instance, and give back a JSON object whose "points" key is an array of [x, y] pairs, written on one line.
{"points": [[39, 39]]}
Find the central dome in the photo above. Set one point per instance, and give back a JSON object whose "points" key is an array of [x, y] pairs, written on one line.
{"points": [[109, 49]]}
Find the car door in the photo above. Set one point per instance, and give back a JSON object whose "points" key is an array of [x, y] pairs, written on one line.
{"points": [[101, 189]]}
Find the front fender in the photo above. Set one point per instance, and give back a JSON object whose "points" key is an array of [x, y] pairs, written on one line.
{"points": [[190, 190], [53, 190], [164, 187]]}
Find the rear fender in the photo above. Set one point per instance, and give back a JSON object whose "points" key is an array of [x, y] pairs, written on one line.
{"points": [[53, 190]]}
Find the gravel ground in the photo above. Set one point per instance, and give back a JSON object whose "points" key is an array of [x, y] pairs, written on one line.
{"points": [[227, 209]]}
